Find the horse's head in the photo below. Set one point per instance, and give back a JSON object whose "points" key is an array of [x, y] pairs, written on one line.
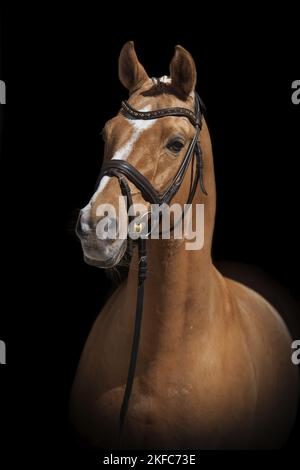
{"points": [[155, 147]]}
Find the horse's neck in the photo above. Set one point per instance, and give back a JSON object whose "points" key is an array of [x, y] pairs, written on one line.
{"points": [[180, 290], [179, 296]]}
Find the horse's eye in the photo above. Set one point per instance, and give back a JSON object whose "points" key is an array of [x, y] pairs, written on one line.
{"points": [[175, 145]]}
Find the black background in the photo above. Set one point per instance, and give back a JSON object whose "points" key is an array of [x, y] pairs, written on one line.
{"points": [[60, 69]]}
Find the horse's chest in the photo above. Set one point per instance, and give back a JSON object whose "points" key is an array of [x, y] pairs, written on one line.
{"points": [[183, 411]]}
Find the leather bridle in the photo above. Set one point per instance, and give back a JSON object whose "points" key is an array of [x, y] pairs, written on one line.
{"points": [[124, 171], [122, 167]]}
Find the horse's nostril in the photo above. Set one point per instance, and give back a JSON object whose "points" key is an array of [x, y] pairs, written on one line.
{"points": [[82, 227], [107, 229]]}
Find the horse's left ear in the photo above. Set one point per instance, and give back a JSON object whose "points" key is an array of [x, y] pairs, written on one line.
{"points": [[131, 73], [183, 72]]}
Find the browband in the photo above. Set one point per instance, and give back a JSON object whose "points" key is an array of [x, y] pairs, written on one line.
{"points": [[175, 111]]}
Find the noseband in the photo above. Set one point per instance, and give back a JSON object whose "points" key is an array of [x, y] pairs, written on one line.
{"points": [[124, 171]]}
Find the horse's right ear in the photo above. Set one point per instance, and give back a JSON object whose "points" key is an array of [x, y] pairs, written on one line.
{"points": [[131, 73]]}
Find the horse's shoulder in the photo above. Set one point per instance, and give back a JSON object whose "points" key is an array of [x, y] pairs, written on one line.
{"points": [[258, 316], [253, 305]]}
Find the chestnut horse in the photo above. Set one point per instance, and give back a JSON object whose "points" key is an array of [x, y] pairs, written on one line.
{"points": [[214, 366]]}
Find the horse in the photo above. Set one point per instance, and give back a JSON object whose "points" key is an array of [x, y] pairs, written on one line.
{"points": [[214, 366]]}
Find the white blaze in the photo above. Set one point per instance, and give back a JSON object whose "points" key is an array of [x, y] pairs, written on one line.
{"points": [[139, 126]]}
